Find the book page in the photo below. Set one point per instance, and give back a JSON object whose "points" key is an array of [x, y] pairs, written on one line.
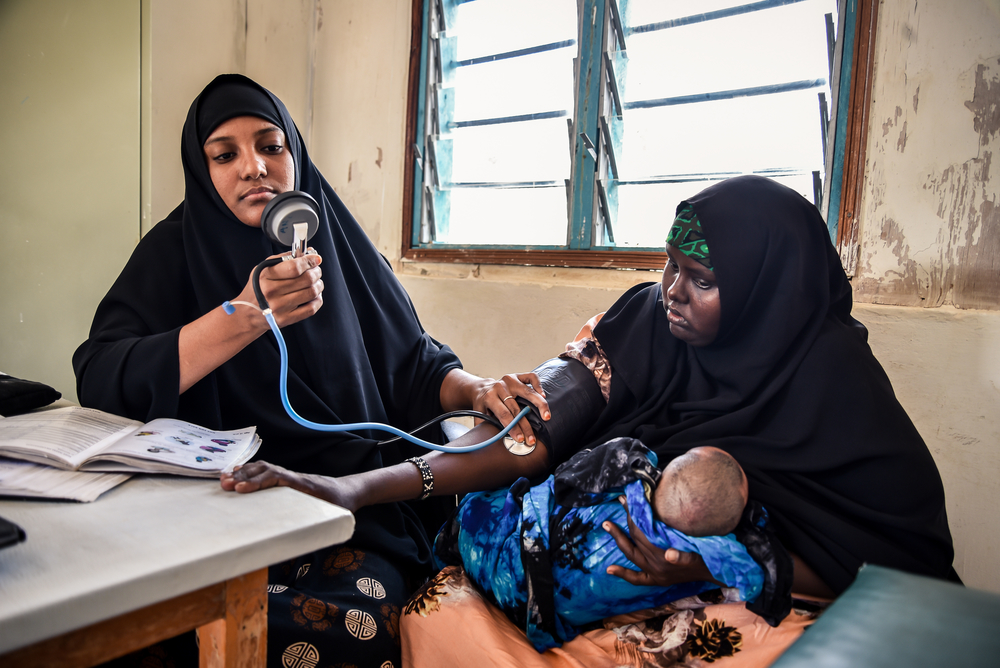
{"points": [[63, 436], [182, 444]]}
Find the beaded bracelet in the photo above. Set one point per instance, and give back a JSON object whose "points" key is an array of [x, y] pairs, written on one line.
{"points": [[425, 474]]}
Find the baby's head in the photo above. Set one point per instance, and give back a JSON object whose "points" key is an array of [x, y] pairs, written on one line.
{"points": [[701, 493]]}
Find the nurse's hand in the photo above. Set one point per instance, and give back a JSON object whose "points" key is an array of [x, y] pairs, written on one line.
{"points": [[256, 476], [293, 288], [501, 400], [462, 390], [658, 568]]}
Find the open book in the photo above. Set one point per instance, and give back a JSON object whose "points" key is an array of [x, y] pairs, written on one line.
{"points": [[84, 439]]}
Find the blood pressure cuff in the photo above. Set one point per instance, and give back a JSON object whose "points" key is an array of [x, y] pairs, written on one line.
{"points": [[575, 402]]}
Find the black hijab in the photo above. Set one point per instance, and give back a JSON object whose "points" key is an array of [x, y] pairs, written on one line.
{"points": [[789, 387], [362, 357]]}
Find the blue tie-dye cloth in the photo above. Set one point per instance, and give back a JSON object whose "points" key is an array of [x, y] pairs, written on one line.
{"points": [[568, 553]]}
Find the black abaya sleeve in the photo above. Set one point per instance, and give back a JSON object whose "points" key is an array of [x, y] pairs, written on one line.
{"points": [[130, 363]]}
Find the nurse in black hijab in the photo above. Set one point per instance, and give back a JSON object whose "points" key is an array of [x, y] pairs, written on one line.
{"points": [[162, 346]]}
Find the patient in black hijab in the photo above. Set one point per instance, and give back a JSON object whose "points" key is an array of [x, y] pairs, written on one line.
{"points": [[162, 346], [747, 345]]}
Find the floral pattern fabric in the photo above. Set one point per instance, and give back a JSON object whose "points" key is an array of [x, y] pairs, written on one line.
{"points": [[449, 623]]}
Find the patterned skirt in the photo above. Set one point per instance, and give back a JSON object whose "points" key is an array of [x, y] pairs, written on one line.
{"points": [[335, 607]]}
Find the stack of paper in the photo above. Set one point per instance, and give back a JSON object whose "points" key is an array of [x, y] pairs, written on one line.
{"points": [[33, 480]]}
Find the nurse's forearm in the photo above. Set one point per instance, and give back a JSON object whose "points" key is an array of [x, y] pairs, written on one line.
{"points": [[294, 292], [213, 339]]}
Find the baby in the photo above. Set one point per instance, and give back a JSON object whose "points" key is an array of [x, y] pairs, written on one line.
{"points": [[701, 493], [540, 553]]}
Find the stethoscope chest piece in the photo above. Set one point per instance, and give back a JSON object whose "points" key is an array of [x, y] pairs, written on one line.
{"points": [[515, 448], [284, 211]]}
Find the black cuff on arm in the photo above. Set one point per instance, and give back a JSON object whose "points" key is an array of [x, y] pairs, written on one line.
{"points": [[575, 402]]}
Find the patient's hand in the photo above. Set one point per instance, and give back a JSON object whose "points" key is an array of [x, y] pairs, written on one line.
{"points": [[256, 476], [657, 568]]}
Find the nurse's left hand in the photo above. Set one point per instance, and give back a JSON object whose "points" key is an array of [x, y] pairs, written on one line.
{"points": [[462, 390], [499, 397]]}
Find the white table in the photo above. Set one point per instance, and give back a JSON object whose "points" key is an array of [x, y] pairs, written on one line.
{"points": [[152, 558]]}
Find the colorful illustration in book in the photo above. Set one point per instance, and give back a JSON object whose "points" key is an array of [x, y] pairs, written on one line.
{"points": [[181, 440], [201, 459], [147, 433], [211, 448], [157, 449], [223, 441]]}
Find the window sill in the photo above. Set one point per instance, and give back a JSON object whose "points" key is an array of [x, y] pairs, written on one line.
{"points": [[541, 258], [577, 277]]}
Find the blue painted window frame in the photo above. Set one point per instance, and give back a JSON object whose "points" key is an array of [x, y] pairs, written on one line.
{"points": [[580, 252]]}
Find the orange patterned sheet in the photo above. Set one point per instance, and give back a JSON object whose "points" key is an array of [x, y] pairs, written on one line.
{"points": [[448, 623]]}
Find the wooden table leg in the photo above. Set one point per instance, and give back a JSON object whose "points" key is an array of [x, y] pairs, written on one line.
{"points": [[239, 640]]}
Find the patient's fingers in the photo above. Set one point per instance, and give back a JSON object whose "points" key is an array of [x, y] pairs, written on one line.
{"points": [[253, 477]]}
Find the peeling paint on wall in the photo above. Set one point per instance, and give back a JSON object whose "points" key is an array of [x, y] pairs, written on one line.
{"points": [[972, 247], [985, 105], [930, 227], [909, 278]]}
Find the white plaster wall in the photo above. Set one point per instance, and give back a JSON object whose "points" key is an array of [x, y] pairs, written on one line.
{"points": [[930, 229], [69, 212], [362, 59], [944, 365], [191, 42]]}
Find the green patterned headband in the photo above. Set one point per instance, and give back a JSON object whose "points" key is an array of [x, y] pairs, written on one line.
{"points": [[687, 236]]}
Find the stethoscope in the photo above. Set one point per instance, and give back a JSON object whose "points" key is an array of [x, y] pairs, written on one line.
{"points": [[291, 219]]}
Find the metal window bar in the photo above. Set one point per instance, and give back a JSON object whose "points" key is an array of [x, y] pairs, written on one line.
{"points": [[609, 147], [824, 123], [770, 89], [710, 16], [616, 97], [605, 207], [529, 51], [503, 184], [429, 212], [774, 172], [831, 41], [542, 115], [616, 23], [589, 145]]}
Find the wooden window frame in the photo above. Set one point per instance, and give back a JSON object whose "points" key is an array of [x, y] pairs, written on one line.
{"points": [[856, 137]]}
